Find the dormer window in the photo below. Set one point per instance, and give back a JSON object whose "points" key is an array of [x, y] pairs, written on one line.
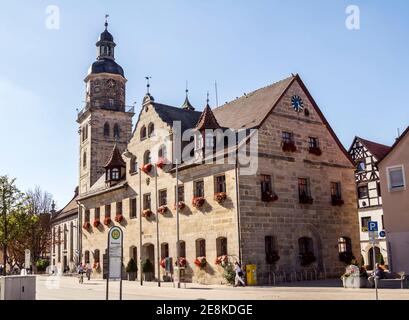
{"points": [[115, 174]]}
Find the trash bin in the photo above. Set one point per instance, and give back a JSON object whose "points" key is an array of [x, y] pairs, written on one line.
{"points": [[251, 274]]}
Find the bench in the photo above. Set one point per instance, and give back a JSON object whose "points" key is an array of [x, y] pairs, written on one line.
{"points": [[391, 278]]}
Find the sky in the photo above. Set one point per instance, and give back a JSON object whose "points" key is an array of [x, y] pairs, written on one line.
{"points": [[358, 77]]}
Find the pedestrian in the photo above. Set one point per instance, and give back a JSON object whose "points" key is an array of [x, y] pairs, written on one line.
{"points": [[88, 271], [239, 275], [1, 269], [81, 273], [377, 274]]}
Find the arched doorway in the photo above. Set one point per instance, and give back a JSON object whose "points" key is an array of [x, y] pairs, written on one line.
{"points": [[148, 252], [378, 256]]}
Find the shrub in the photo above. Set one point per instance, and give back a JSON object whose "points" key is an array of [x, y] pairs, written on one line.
{"points": [[229, 274], [131, 266], [147, 266], [42, 264]]}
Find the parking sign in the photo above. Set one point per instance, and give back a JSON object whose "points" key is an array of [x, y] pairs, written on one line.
{"points": [[372, 226]]}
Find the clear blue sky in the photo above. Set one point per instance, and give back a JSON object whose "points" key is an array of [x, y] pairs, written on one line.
{"points": [[359, 78]]}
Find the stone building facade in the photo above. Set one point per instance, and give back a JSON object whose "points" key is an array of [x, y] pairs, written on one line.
{"points": [[296, 211]]}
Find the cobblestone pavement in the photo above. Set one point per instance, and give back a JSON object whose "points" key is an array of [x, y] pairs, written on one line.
{"points": [[68, 288]]}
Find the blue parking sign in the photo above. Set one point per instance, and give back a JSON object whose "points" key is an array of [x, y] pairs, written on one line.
{"points": [[372, 226]]}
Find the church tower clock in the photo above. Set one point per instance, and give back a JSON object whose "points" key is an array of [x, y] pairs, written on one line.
{"points": [[105, 119]]}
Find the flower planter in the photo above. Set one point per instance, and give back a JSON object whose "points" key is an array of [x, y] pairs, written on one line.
{"points": [[162, 210], [220, 197], [147, 213], [315, 151], [107, 221], [96, 223], [269, 197], [289, 147], [119, 218], [181, 205], [147, 168], [306, 200], [198, 202], [161, 163], [337, 202], [163, 263], [201, 262], [221, 260], [86, 225], [182, 262]]}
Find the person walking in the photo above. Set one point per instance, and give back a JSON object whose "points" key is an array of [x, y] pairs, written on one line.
{"points": [[239, 275], [377, 274], [81, 273], [88, 271]]}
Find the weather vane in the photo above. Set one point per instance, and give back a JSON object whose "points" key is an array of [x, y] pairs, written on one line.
{"points": [[106, 20], [148, 83]]}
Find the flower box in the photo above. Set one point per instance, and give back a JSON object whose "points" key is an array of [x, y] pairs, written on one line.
{"points": [[119, 218], [161, 163], [269, 197], [147, 168], [107, 221], [147, 213], [201, 262], [162, 210], [181, 205], [96, 223], [289, 147], [220, 197], [336, 201], [198, 202], [315, 151], [306, 199], [86, 225], [182, 262], [221, 260]]}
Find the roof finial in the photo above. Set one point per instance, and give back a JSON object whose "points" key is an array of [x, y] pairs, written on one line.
{"points": [[208, 99], [187, 89], [106, 21], [148, 85]]}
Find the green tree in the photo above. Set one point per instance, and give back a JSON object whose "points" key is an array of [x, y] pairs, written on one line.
{"points": [[11, 203]]}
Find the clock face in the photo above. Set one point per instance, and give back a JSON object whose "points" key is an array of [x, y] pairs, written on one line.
{"points": [[111, 83], [297, 103]]}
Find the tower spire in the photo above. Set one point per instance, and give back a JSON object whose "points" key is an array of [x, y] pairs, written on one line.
{"points": [[106, 21], [187, 105]]}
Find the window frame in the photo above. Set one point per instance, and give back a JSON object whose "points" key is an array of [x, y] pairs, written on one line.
{"points": [[367, 192], [163, 197], [313, 142], [147, 199], [388, 172], [133, 209], [197, 194], [307, 187], [219, 184], [287, 137]]}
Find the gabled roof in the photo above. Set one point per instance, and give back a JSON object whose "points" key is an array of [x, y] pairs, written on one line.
{"points": [[115, 159], [207, 120], [398, 140], [378, 150], [250, 111], [69, 210]]}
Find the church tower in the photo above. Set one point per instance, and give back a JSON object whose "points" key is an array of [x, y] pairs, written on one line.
{"points": [[105, 119]]}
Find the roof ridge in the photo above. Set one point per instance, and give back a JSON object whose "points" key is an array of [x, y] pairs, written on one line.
{"points": [[371, 141]]}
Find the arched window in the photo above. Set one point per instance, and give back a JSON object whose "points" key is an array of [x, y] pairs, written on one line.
{"points": [[134, 165], [116, 131], [86, 256], [162, 153], [200, 248], [305, 245], [164, 250], [84, 159], [147, 157], [115, 174], [221, 246], [96, 256], [106, 129], [143, 133], [182, 249], [151, 129], [344, 245]]}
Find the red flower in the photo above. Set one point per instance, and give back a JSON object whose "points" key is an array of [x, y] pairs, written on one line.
{"points": [[147, 213], [182, 262], [221, 260], [162, 209], [198, 202], [201, 262], [107, 221], [289, 147], [147, 168], [97, 223], [163, 263], [269, 197], [181, 205], [220, 197], [119, 218], [86, 225], [315, 150], [161, 163]]}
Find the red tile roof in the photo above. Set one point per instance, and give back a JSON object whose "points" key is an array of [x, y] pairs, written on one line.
{"points": [[115, 159], [207, 120], [378, 150]]}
